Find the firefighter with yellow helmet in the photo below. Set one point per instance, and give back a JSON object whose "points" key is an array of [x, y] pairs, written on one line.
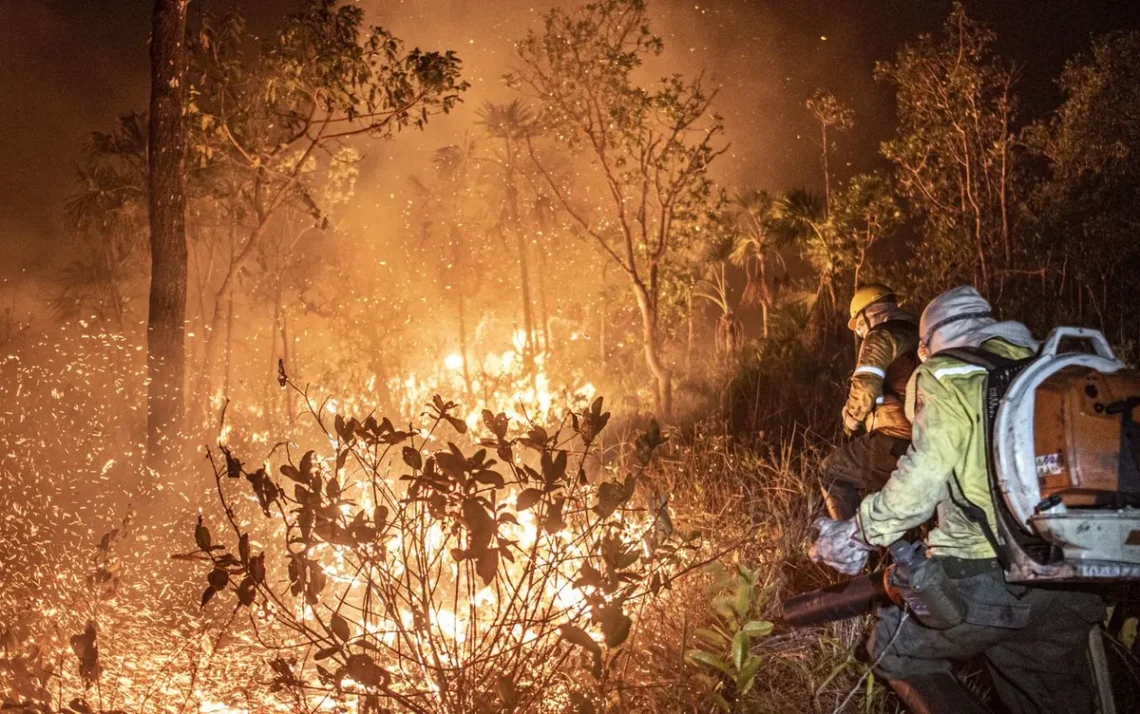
{"points": [[874, 413]]}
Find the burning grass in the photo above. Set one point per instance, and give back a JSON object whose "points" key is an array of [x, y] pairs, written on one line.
{"points": [[525, 568]]}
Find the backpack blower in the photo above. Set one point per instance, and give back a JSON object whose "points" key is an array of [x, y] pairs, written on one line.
{"points": [[1063, 440]]}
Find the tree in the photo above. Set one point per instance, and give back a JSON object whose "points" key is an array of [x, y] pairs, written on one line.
{"points": [[450, 209], [865, 213], [265, 120], [832, 114], [166, 349], [1087, 204], [755, 214], [803, 222], [952, 151], [729, 329], [513, 125], [650, 148], [108, 216]]}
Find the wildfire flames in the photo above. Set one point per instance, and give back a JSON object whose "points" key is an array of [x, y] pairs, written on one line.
{"points": [[398, 567]]}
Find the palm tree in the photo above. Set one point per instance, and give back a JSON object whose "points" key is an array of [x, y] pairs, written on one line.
{"points": [[803, 221], [831, 114], [513, 124], [755, 214], [108, 214], [729, 330], [445, 202]]}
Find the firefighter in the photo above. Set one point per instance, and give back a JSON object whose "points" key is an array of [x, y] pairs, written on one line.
{"points": [[874, 413], [1033, 638]]}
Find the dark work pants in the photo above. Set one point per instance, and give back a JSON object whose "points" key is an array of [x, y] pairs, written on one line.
{"points": [[859, 466], [1034, 641]]}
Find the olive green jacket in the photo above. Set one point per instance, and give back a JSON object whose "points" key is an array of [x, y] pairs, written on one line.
{"points": [[882, 370], [947, 456]]}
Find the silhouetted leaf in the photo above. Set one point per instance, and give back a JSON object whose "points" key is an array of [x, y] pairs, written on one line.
{"points": [[339, 627], [202, 536], [413, 458], [218, 579], [528, 498], [487, 566], [553, 521], [290, 472], [577, 636]]}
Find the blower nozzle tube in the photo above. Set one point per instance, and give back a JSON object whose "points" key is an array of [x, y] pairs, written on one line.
{"points": [[854, 597]]}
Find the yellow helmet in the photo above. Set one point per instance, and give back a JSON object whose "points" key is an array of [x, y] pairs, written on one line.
{"points": [[864, 296]]}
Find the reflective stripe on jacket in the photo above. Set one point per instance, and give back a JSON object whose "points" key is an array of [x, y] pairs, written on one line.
{"points": [[886, 360], [947, 453]]}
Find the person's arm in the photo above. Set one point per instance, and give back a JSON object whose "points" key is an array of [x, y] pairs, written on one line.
{"points": [[875, 356], [920, 482]]}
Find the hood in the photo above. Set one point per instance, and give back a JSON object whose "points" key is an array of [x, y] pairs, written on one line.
{"points": [[961, 317]]}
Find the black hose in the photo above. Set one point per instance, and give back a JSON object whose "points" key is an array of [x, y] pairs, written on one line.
{"points": [[857, 596]]}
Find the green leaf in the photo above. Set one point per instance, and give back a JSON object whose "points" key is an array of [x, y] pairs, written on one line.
{"points": [[721, 702], [711, 637], [742, 598], [740, 644], [758, 628], [747, 675], [708, 660]]}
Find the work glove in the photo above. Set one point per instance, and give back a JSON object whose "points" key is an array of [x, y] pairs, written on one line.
{"points": [[840, 544], [851, 425]]}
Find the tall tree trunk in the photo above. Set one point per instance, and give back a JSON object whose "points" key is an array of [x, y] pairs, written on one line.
{"points": [[229, 349], [765, 294], [461, 306], [662, 376], [524, 262], [544, 316], [826, 175], [524, 281], [166, 147], [691, 336]]}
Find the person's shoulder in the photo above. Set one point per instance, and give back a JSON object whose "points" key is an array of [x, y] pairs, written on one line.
{"points": [[943, 368], [1007, 349], [903, 329]]}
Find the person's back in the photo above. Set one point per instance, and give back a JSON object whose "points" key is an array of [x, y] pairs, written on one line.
{"points": [[874, 416]]}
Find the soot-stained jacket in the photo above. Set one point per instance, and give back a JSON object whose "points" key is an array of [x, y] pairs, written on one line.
{"points": [[886, 360], [945, 466]]}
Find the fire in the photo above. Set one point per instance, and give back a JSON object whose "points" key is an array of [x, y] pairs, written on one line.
{"points": [[501, 380]]}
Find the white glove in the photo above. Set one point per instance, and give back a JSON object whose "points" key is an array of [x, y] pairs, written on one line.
{"points": [[840, 544], [850, 424]]}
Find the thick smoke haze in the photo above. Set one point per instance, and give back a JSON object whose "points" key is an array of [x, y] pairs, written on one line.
{"points": [[68, 67]]}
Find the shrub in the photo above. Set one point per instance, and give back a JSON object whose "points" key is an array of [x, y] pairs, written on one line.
{"points": [[410, 575]]}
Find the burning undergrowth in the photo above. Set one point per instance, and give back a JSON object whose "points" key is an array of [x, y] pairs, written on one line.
{"points": [[449, 564]]}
